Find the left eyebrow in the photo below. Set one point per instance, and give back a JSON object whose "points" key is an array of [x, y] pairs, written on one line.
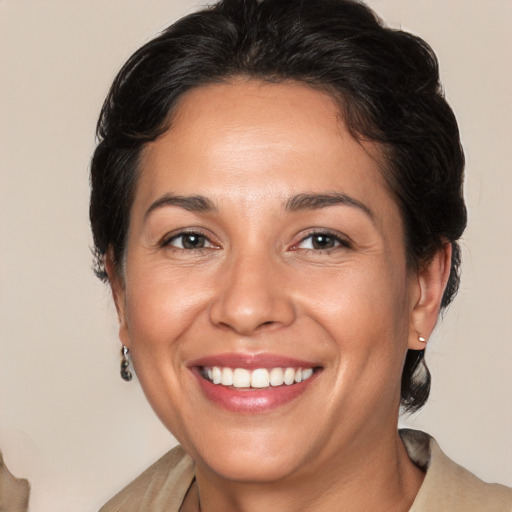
{"points": [[316, 201]]}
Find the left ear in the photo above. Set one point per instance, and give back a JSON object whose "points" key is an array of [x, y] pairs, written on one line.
{"points": [[431, 283]]}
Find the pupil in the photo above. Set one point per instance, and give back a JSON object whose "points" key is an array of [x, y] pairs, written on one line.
{"points": [[323, 242], [193, 241]]}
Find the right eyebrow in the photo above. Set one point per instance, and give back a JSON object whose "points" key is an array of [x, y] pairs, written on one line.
{"points": [[190, 203]]}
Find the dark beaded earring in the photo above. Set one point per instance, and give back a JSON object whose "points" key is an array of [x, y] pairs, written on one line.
{"points": [[126, 374]]}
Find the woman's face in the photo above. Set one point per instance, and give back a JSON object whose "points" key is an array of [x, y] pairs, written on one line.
{"points": [[262, 240]]}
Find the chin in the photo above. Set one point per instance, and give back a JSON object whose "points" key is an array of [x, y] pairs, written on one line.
{"points": [[252, 456], [253, 466]]}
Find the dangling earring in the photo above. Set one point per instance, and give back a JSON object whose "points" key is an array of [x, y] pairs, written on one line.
{"points": [[126, 374]]}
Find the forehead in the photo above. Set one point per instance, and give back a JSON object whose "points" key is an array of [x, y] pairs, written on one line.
{"points": [[254, 133]]}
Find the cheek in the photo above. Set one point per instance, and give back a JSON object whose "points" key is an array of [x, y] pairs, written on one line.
{"points": [[161, 304], [161, 308], [362, 292], [363, 311]]}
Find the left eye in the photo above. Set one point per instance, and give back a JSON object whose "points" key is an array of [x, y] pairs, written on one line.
{"points": [[321, 241], [189, 241]]}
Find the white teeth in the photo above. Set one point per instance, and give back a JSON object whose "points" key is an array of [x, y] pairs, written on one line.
{"points": [[241, 378], [276, 377], [216, 375], [307, 373], [258, 378], [289, 376], [227, 377]]}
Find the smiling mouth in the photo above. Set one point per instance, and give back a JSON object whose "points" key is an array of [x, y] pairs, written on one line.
{"points": [[258, 378]]}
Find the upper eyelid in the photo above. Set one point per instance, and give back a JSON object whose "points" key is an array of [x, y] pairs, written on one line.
{"points": [[166, 239], [343, 239], [327, 232]]}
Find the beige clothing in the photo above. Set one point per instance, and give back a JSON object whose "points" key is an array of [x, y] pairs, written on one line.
{"points": [[447, 487]]}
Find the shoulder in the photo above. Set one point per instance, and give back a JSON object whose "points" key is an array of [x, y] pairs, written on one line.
{"points": [[162, 487], [14, 492], [448, 486]]}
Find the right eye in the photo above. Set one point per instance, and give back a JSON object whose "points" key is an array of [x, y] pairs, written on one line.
{"points": [[189, 241]]}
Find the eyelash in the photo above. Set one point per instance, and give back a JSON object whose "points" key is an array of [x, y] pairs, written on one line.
{"points": [[338, 241], [167, 242]]}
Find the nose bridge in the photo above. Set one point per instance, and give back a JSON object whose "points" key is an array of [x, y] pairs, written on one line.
{"points": [[251, 295]]}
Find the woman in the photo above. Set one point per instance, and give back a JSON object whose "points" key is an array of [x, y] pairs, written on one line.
{"points": [[276, 203]]}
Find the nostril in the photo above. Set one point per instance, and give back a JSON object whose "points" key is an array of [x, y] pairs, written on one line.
{"points": [[269, 324], [246, 308]]}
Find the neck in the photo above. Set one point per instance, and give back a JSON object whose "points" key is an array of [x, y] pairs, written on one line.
{"points": [[367, 477]]}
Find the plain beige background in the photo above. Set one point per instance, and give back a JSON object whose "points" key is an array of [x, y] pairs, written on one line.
{"points": [[67, 421]]}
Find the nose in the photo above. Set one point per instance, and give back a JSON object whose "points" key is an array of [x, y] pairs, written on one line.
{"points": [[252, 296]]}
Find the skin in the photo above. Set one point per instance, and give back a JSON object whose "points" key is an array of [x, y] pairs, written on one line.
{"points": [[259, 285]]}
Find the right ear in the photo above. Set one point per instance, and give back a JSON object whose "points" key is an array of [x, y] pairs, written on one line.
{"points": [[117, 287]]}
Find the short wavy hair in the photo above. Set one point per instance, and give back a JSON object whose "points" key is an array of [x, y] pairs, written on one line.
{"points": [[386, 84]]}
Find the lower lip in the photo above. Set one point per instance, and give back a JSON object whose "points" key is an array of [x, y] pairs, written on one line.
{"points": [[251, 400]]}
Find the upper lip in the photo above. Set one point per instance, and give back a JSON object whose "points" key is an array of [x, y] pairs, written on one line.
{"points": [[251, 361]]}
